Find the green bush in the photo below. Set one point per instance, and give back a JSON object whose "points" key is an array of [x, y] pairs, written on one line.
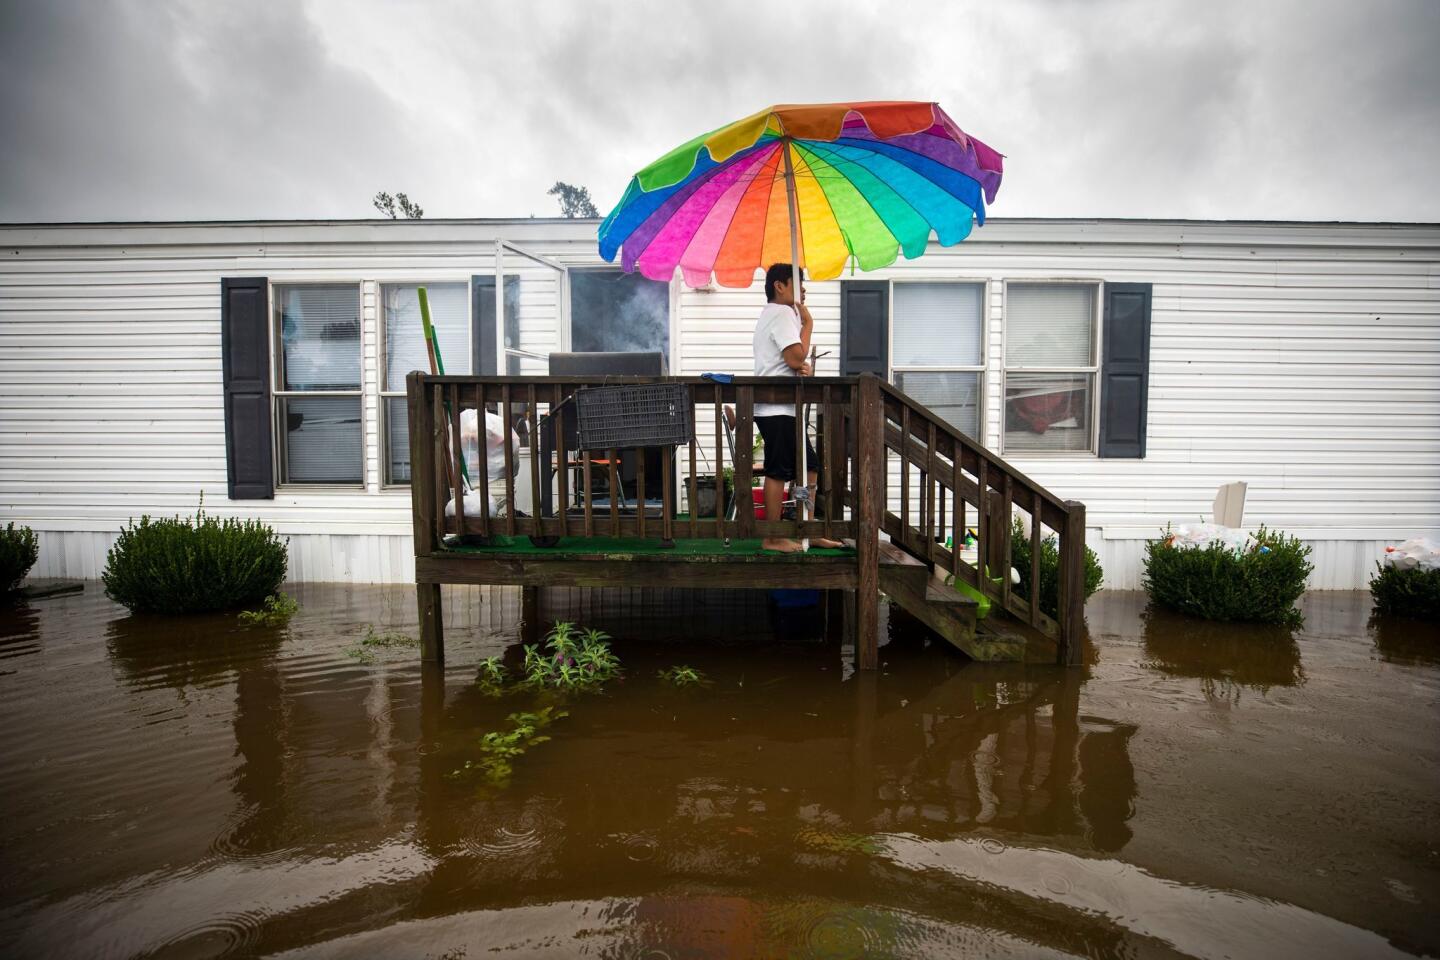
{"points": [[1412, 593], [1049, 569], [180, 565], [18, 551], [1258, 585]]}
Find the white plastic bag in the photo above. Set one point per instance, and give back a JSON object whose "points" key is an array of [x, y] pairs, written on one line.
{"points": [[1417, 552]]}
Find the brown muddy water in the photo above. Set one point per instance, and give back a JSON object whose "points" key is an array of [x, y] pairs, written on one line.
{"points": [[195, 788]]}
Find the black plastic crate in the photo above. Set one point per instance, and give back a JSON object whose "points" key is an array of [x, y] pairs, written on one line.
{"points": [[630, 415]]}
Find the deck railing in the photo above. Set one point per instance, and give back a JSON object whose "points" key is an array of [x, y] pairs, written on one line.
{"points": [[866, 431]]}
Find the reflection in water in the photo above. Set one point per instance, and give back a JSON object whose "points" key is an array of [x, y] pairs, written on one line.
{"points": [[1406, 641], [1226, 657], [290, 800]]}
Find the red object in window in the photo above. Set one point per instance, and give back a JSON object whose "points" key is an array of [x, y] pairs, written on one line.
{"points": [[1042, 411]]}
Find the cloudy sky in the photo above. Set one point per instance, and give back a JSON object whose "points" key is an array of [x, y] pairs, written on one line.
{"points": [[248, 109]]}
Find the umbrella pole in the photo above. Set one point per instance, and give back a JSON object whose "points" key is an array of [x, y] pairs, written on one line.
{"points": [[802, 499]]}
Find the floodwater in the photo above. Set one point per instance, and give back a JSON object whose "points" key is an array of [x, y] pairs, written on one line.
{"points": [[196, 788]]}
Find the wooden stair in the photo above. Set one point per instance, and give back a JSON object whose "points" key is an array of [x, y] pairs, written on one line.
{"points": [[910, 583]]}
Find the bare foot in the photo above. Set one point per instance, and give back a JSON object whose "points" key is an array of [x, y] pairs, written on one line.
{"points": [[826, 544], [781, 546]]}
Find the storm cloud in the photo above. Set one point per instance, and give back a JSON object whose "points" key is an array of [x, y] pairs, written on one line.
{"points": [[182, 109]]}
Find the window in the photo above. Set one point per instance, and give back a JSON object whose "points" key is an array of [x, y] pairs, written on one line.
{"points": [[612, 310], [317, 377], [404, 337], [1050, 366], [937, 348]]}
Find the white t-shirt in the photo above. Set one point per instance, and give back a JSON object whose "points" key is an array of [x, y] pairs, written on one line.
{"points": [[777, 328]]}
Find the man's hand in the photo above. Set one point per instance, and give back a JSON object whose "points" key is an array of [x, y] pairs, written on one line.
{"points": [[805, 370]]}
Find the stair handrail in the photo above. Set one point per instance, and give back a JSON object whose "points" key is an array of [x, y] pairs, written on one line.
{"points": [[995, 482]]}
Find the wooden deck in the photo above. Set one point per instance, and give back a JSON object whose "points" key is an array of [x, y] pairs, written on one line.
{"points": [[575, 533]]}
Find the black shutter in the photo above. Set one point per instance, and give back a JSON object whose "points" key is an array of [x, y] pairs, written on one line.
{"points": [[482, 313], [245, 359], [1125, 370], [864, 327]]}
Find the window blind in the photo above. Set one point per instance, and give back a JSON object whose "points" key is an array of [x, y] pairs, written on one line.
{"points": [[323, 440], [954, 396], [405, 335], [938, 324], [320, 337], [1049, 325]]}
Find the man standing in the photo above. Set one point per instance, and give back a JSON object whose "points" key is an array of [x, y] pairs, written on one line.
{"points": [[781, 343]]}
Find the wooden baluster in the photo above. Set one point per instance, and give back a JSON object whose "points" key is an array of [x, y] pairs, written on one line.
{"points": [[588, 493], [802, 477], [452, 426], [557, 424], [904, 472], [694, 495], [438, 453], [639, 491], [1006, 520], [929, 489], [1035, 514], [537, 524], [612, 455], [667, 494], [827, 460], [744, 458], [722, 503], [482, 460], [982, 528], [509, 462], [957, 516]]}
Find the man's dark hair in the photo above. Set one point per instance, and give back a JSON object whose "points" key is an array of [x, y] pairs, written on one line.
{"points": [[778, 273]]}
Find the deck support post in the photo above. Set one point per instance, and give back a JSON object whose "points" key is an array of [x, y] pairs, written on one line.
{"points": [[1072, 585], [424, 507], [432, 622], [530, 614], [870, 449]]}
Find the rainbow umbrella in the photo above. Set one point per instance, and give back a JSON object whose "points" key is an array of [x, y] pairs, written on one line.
{"points": [[819, 185]]}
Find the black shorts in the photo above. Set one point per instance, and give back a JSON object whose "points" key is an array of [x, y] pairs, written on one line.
{"points": [[779, 436]]}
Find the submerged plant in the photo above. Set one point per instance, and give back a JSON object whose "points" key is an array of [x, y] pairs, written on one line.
{"points": [[19, 550], [571, 659], [1259, 583], [364, 649], [492, 676], [1020, 559], [277, 611], [499, 749], [683, 676], [185, 565], [1412, 593]]}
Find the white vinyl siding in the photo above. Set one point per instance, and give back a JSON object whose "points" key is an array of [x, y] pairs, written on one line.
{"points": [[1302, 358]]}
